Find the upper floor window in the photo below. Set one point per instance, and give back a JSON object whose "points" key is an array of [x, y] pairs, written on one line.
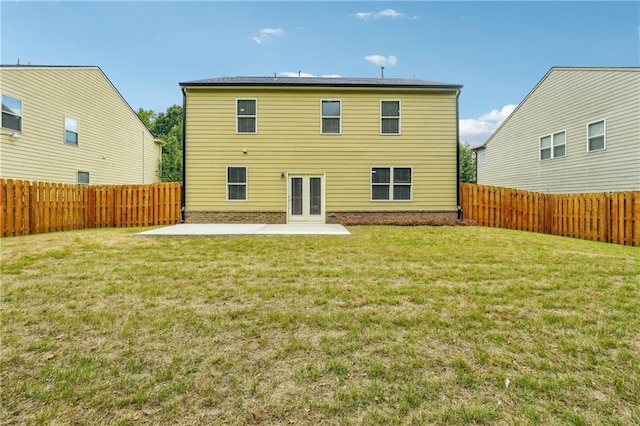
{"points": [[390, 117], [70, 130], [553, 146], [246, 111], [331, 116], [391, 183], [596, 136], [236, 183], [11, 113]]}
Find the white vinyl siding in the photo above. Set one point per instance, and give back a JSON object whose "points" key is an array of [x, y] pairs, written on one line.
{"points": [[597, 136], [114, 145], [570, 99]]}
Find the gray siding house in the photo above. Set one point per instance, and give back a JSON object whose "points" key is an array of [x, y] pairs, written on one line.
{"points": [[577, 131]]}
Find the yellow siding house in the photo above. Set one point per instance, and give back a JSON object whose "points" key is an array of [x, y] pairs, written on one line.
{"points": [[69, 124], [330, 150]]}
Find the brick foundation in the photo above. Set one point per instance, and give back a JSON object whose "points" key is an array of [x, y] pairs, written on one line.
{"points": [[394, 218], [235, 217], [344, 218]]}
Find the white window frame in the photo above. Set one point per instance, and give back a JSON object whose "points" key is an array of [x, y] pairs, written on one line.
{"points": [[238, 116], [246, 183], [339, 117], [77, 132], [552, 136], [391, 184], [78, 178], [604, 135], [399, 117], [20, 116]]}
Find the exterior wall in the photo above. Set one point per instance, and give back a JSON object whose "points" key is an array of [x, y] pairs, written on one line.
{"points": [[113, 144], [289, 140], [566, 100]]}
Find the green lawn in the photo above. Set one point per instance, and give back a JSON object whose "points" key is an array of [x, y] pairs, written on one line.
{"points": [[391, 325]]}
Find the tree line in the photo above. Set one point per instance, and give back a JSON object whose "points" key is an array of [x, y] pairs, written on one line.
{"points": [[167, 126]]}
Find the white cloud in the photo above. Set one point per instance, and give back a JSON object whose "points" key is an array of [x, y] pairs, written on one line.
{"points": [[267, 34], [387, 13], [382, 60], [476, 131]]}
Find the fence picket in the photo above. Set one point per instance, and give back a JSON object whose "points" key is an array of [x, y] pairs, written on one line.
{"points": [[607, 217], [41, 207]]}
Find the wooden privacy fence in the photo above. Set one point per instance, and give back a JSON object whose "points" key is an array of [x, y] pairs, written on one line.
{"points": [[40, 207], [612, 217]]}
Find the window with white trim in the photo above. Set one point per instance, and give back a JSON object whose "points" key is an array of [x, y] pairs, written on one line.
{"points": [[553, 146], [331, 110], [11, 113], [70, 130], [236, 183], [246, 113], [390, 117], [391, 183], [83, 178], [482, 157], [596, 136]]}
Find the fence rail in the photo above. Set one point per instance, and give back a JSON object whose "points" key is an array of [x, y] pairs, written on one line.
{"points": [[612, 217], [41, 207]]}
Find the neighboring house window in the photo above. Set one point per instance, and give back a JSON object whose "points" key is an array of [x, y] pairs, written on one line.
{"points": [[596, 139], [330, 116], [236, 183], [11, 113], [391, 183], [246, 113], [83, 178], [482, 157], [71, 130], [390, 117], [553, 146]]}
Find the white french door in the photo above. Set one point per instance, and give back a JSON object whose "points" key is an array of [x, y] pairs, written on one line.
{"points": [[305, 195]]}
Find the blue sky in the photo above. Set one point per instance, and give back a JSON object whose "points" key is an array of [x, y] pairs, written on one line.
{"points": [[497, 50]]}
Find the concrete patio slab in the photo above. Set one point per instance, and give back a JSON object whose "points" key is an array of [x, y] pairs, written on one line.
{"points": [[248, 229]]}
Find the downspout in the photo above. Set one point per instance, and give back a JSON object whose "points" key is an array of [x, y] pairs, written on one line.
{"points": [[460, 215], [184, 155]]}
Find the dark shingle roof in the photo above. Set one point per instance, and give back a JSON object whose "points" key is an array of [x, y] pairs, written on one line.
{"points": [[320, 81]]}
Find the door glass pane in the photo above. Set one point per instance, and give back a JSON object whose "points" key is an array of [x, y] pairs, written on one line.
{"points": [[315, 195], [296, 196]]}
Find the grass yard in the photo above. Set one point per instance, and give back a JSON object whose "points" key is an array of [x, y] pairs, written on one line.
{"points": [[391, 325]]}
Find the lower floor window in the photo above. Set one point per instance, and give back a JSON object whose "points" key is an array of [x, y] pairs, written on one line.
{"points": [[391, 183], [83, 178], [236, 183]]}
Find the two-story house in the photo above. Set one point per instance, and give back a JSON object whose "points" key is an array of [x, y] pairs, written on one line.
{"points": [[577, 131], [330, 150], [69, 124]]}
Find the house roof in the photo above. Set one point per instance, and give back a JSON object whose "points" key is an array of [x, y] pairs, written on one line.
{"points": [[553, 69], [320, 82]]}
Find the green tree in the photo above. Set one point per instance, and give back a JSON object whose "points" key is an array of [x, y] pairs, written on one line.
{"points": [[166, 126], [467, 163]]}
